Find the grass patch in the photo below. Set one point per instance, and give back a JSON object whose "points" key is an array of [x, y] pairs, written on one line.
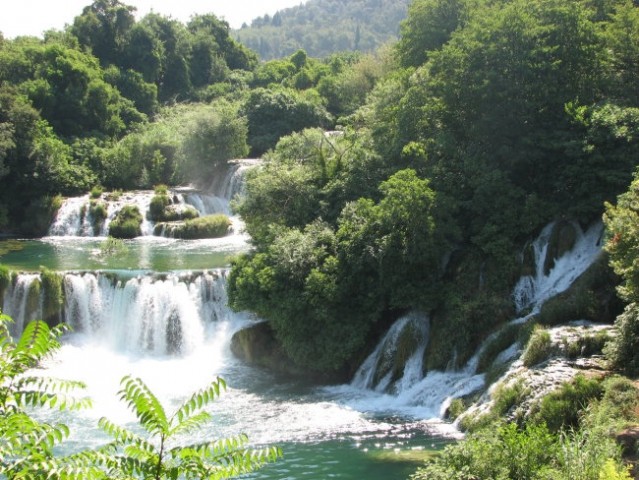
{"points": [[538, 348], [563, 408]]}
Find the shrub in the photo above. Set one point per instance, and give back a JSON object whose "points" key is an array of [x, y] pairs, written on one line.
{"points": [[157, 207], [98, 213], [502, 340], [126, 223], [510, 454], [506, 397], [114, 196], [563, 407], [613, 471], [538, 348], [33, 299], [588, 345], [96, 192], [456, 408], [161, 190]]}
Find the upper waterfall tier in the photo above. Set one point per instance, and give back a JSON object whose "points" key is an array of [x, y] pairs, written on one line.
{"points": [[76, 217]]}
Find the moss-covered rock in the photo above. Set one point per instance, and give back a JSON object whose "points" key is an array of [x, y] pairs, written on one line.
{"points": [[164, 209], [52, 296], [32, 306], [98, 213], [5, 281], [127, 223], [258, 346], [210, 226]]}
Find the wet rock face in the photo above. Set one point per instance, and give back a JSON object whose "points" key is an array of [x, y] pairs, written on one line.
{"points": [[572, 352], [562, 240], [256, 345]]}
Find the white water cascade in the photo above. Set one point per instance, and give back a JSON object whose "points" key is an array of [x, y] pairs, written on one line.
{"points": [[429, 394], [22, 301], [162, 315], [74, 218]]}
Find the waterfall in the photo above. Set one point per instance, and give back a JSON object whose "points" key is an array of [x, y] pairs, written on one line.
{"points": [[434, 390], [533, 290], [216, 198], [22, 301], [74, 217], [156, 314]]}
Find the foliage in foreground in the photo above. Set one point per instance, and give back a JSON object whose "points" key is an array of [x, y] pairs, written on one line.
{"points": [[160, 454], [27, 445]]}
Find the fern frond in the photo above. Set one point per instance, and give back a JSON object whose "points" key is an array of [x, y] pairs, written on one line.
{"points": [[122, 436], [200, 399], [36, 341], [145, 405], [190, 424]]}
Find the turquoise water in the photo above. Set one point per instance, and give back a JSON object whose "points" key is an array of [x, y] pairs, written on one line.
{"points": [[339, 432], [147, 254]]}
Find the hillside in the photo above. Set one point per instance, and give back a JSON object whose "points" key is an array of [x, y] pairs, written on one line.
{"points": [[322, 27]]}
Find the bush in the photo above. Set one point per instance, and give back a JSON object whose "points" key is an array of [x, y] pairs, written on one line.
{"points": [[98, 213], [210, 226], [33, 299], [161, 190], [563, 408], [507, 397], [127, 223], [157, 206], [538, 348], [96, 192], [612, 471], [510, 454], [588, 345]]}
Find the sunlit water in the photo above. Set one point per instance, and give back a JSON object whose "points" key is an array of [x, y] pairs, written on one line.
{"points": [[325, 432]]}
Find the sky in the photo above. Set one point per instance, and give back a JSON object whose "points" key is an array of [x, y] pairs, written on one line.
{"points": [[32, 17]]}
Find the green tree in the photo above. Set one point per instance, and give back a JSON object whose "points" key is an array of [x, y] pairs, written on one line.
{"points": [[103, 27], [272, 114]]}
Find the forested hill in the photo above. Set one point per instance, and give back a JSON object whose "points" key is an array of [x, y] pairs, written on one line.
{"points": [[322, 27]]}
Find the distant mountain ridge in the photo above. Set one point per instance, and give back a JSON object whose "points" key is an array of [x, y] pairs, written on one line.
{"points": [[322, 27]]}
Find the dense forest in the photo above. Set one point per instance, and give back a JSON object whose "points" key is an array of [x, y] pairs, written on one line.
{"points": [[411, 178], [322, 27]]}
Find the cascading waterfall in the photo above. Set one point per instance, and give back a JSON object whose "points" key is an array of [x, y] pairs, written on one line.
{"points": [[156, 314], [434, 390], [22, 301], [74, 217]]}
